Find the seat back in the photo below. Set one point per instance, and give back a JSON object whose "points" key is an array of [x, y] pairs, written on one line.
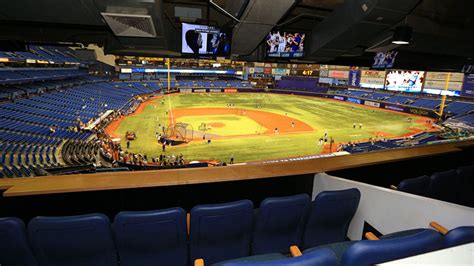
{"points": [[279, 224], [329, 218], [443, 186], [465, 183], [369, 252], [459, 236], [152, 237], [418, 185], [220, 232], [72, 240], [14, 247], [320, 257]]}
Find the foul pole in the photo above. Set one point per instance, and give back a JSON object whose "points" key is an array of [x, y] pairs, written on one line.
{"points": [[169, 74], [443, 97]]}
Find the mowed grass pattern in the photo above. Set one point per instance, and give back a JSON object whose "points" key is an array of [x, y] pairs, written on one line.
{"points": [[334, 117]]}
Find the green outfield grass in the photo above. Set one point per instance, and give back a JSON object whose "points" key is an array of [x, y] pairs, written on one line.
{"points": [[322, 115]]}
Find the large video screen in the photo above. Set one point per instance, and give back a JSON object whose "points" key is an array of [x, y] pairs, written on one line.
{"points": [[404, 80], [204, 40], [285, 45]]}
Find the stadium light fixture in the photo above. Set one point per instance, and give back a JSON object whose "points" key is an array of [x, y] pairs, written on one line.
{"points": [[402, 35]]}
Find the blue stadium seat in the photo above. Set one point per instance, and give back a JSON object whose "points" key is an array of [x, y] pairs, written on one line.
{"points": [[73, 240], [279, 224], [221, 232], [443, 186], [418, 185], [369, 252], [459, 236], [14, 247], [330, 215], [152, 237], [322, 257], [465, 183]]}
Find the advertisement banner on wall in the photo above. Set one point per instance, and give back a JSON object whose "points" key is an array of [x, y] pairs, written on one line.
{"points": [[325, 80], [185, 90], [339, 74], [370, 103], [340, 98], [258, 69], [267, 70], [230, 90], [215, 90], [372, 83], [354, 100], [394, 107], [251, 70], [372, 79], [279, 71], [354, 78], [199, 90], [324, 71], [468, 88]]}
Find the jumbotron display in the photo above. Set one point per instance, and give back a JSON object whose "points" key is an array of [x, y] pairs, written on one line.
{"points": [[404, 80], [285, 45], [204, 40]]}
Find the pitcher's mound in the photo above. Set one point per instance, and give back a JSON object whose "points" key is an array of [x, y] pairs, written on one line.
{"points": [[216, 124]]}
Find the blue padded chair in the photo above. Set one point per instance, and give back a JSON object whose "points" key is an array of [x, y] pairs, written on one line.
{"points": [[443, 186], [459, 236], [321, 257], [152, 237], [465, 183], [14, 247], [418, 185], [279, 224], [221, 232], [73, 240], [369, 252], [330, 215]]}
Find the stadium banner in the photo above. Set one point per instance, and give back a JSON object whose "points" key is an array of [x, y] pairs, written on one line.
{"points": [[354, 78], [436, 81], [199, 90], [372, 83], [279, 71], [373, 74], [267, 70], [397, 108], [215, 90], [339, 74], [340, 98], [230, 90], [251, 70], [354, 100], [258, 69], [370, 103], [418, 111], [468, 88], [325, 80], [185, 90], [323, 71]]}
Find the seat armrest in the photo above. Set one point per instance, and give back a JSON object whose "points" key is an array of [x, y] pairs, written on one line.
{"points": [[198, 262], [295, 251], [371, 236], [441, 229]]}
